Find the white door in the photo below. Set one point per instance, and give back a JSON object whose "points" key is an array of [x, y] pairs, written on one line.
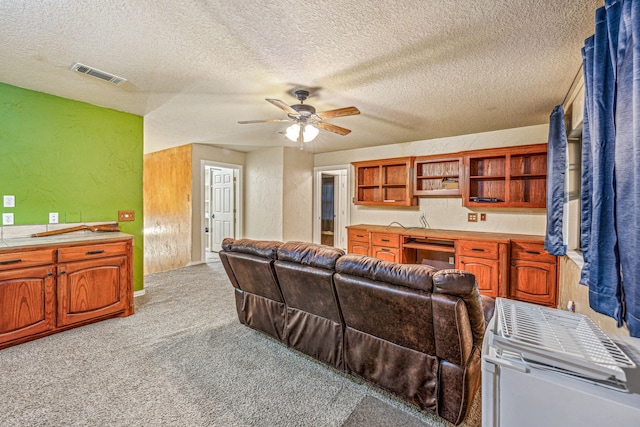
{"points": [[223, 207]]}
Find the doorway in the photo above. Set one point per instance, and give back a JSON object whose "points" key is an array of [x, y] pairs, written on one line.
{"points": [[221, 205], [331, 207]]}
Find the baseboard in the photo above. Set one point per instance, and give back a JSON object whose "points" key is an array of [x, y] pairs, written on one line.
{"points": [[192, 263], [139, 293]]}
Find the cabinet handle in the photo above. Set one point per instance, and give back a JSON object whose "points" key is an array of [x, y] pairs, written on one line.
{"points": [[63, 271], [384, 250], [95, 252], [11, 261], [513, 263], [533, 252], [477, 249], [385, 240], [359, 235]]}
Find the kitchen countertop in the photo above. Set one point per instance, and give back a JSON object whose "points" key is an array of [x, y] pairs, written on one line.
{"points": [[77, 237]]}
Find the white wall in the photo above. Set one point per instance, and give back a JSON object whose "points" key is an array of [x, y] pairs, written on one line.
{"points": [[263, 210], [297, 204], [446, 213]]}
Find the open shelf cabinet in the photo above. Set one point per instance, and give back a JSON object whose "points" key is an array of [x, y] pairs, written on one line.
{"points": [[513, 177], [437, 176], [384, 182]]}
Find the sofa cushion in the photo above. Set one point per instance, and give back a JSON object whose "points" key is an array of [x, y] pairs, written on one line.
{"points": [[413, 276], [261, 248], [319, 256]]}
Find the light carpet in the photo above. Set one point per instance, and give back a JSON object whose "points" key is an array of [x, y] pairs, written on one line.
{"points": [[184, 360]]}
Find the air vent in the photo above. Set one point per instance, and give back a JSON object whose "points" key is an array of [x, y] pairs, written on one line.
{"points": [[94, 72]]}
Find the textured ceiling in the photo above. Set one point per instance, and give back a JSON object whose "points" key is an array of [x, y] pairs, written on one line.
{"points": [[416, 69]]}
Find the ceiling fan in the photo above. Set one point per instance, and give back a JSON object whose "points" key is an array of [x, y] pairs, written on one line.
{"points": [[306, 120]]}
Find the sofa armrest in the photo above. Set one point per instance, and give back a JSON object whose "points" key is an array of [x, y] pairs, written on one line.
{"points": [[488, 306]]}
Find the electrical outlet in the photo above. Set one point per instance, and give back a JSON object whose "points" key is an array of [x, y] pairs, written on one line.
{"points": [[53, 217], [472, 217], [7, 219], [126, 216], [9, 201], [483, 217]]}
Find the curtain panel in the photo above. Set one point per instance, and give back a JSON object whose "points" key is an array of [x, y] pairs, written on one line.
{"points": [[556, 163], [610, 198]]}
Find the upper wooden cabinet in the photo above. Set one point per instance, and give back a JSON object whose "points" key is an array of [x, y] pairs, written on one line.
{"points": [[513, 177], [437, 176], [385, 182]]}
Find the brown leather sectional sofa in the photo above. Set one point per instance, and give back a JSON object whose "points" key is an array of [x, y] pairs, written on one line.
{"points": [[409, 329]]}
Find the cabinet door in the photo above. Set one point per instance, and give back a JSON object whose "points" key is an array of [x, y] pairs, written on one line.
{"points": [[359, 248], [486, 272], [387, 254], [27, 298], [92, 289], [533, 282]]}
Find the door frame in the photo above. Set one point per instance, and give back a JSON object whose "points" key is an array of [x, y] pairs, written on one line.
{"points": [[341, 200], [237, 174]]}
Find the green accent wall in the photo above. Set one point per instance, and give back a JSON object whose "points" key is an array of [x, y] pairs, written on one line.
{"points": [[80, 160]]}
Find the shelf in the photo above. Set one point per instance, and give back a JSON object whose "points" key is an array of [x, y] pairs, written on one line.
{"points": [[384, 182], [437, 176], [512, 176]]}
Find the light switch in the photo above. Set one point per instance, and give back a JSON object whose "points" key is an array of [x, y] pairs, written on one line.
{"points": [[9, 201], [7, 219]]}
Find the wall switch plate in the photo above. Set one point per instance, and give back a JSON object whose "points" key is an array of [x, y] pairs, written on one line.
{"points": [[472, 217], [126, 216], [483, 217], [9, 201], [53, 217], [7, 219]]}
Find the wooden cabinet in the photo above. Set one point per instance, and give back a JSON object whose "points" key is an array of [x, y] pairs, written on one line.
{"points": [[93, 284], [483, 259], [386, 246], [385, 182], [437, 176], [533, 274], [27, 300], [358, 241], [47, 290], [514, 177]]}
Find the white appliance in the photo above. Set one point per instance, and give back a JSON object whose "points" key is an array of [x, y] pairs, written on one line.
{"points": [[548, 367]]}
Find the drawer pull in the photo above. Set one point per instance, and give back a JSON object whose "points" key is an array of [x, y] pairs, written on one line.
{"points": [[384, 250], [49, 274], [63, 271], [385, 240], [95, 252], [11, 261], [533, 252], [477, 249]]}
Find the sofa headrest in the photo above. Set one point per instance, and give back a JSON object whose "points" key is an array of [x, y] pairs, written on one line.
{"points": [[311, 254], [416, 276], [454, 282], [262, 248]]}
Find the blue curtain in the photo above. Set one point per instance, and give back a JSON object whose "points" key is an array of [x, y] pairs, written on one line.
{"points": [[556, 163], [610, 196]]}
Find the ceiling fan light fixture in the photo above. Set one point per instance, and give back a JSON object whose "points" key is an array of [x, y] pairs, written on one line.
{"points": [[308, 132]]}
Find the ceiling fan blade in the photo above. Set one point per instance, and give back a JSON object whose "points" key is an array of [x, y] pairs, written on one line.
{"points": [[244, 122], [333, 128], [284, 107], [339, 112]]}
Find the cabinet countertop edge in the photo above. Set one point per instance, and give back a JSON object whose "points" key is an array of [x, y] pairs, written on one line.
{"points": [[80, 237], [449, 234]]}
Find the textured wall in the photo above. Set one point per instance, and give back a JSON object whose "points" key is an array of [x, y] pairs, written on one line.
{"points": [[167, 200], [263, 194], [297, 204], [77, 159]]}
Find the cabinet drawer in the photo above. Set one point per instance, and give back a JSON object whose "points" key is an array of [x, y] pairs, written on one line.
{"points": [[356, 235], [10, 260], [478, 249], [390, 240], [531, 252], [76, 253]]}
